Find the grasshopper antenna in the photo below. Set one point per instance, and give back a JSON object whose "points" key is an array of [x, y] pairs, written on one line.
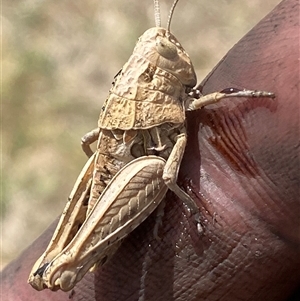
{"points": [[157, 13], [171, 15]]}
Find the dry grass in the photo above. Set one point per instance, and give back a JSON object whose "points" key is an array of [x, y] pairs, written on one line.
{"points": [[58, 61]]}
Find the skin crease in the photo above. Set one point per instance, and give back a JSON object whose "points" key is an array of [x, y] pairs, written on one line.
{"points": [[241, 167]]}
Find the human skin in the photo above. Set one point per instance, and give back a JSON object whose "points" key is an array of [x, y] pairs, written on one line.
{"points": [[241, 167]]}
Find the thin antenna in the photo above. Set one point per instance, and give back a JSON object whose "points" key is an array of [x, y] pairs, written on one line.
{"points": [[157, 13], [171, 14]]}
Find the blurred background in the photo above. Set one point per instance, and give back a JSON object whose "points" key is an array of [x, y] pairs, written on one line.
{"points": [[58, 61]]}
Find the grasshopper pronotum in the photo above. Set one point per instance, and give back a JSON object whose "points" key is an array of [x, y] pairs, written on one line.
{"points": [[141, 140]]}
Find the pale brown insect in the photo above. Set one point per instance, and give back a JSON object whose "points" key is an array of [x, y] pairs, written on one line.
{"points": [[141, 140]]}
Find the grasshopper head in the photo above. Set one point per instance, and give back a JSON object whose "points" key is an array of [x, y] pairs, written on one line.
{"points": [[164, 51]]}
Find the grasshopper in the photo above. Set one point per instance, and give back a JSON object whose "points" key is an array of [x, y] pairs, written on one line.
{"points": [[141, 138]]}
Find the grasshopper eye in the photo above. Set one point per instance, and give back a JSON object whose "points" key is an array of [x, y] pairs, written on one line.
{"points": [[166, 48]]}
